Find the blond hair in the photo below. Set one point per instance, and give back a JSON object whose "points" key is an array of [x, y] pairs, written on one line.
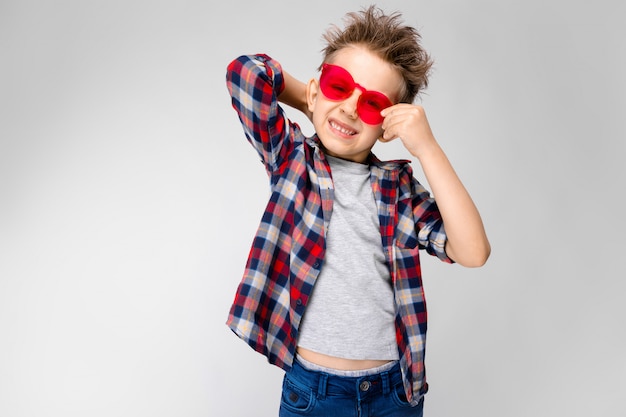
{"points": [[390, 39]]}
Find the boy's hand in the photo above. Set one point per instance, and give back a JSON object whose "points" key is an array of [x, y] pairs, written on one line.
{"points": [[409, 123], [294, 94]]}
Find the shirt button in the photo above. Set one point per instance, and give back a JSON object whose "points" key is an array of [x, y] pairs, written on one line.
{"points": [[316, 265], [364, 386], [299, 302]]}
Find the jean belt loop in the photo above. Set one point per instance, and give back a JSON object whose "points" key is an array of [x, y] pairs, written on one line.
{"points": [[386, 382], [321, 387]]}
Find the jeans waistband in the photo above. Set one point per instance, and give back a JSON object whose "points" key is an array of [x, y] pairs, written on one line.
{"points": [[323, 383]]}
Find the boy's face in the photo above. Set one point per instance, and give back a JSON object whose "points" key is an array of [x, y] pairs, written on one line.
{"points": [[337, 124]]}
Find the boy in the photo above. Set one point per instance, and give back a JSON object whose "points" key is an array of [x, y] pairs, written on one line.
{"points": [[332, 289]]}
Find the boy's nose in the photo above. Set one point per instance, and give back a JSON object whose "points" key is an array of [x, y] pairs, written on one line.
{"points": [[349, 105]]}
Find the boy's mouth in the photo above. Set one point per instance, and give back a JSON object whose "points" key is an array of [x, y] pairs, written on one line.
{"points": [[342, 129]]}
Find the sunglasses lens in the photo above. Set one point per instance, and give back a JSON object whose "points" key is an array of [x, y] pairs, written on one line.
{"points": [[371, 103], [336, 83]]}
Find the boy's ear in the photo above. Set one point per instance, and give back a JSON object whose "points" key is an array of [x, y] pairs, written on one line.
{"points": [[312, 90]]}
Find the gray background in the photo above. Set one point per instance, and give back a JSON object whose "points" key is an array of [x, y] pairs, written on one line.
{"points": [[128, 199]]}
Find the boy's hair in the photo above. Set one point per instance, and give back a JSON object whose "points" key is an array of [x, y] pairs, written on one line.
{"points": [[387, 37]]}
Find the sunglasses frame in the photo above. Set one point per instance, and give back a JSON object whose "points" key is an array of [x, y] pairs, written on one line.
{"points": [[365, 111]]}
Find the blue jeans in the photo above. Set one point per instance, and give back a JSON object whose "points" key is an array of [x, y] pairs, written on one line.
{"points": [[315, 393]]}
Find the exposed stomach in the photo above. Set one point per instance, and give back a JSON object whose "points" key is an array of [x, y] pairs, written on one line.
{"points": [[341, 364]]}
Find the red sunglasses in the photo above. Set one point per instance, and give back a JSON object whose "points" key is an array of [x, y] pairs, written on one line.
{"points": [[337, 84]]}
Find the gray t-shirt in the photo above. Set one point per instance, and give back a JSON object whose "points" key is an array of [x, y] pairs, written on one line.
{"points": [[351, 312]]}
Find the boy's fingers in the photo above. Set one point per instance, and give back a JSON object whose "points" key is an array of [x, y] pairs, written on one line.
{"points": [[388, 135]]}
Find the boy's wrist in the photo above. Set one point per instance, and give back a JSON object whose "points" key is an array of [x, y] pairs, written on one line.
{"points": [[294, 93], [426, 150]]}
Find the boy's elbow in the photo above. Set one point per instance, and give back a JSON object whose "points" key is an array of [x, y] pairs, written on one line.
{"points": [[471, 258], [478, 260]]}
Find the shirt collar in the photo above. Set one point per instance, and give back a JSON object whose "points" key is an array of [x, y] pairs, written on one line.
{"points": [[390, 165]]}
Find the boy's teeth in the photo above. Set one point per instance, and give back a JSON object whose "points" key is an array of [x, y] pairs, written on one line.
{"points": [[341, 129]]}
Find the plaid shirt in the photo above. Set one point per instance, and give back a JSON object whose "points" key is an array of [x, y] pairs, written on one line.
{"points": [[287, 253]]}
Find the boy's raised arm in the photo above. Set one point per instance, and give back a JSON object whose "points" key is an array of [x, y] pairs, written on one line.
{"points": [[467, 240]]}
